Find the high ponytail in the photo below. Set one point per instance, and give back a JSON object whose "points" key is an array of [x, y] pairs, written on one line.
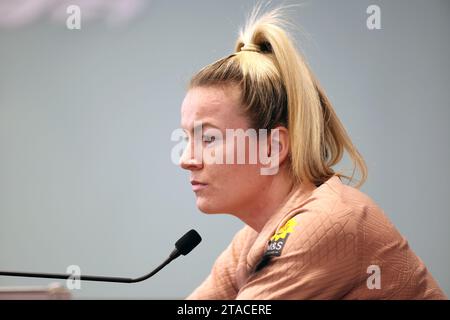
{"points": [[278, 88]]}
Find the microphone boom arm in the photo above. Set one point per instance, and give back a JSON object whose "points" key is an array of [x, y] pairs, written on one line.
{"points": [[182, 247], [173, 255]]}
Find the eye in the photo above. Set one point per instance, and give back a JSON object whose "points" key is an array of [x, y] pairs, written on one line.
{"points": [[209, 138]]}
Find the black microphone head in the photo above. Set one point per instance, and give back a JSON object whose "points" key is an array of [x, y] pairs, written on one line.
{"points": [[188, 242]]}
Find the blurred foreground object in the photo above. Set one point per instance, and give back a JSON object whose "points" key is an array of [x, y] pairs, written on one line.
{"points": [[18, 13], [54, 291]]}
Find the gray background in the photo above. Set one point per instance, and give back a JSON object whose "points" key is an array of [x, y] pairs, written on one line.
{"points": [[86, 118]]}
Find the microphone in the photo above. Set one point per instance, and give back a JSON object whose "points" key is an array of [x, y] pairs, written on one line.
{"points": [[182, 247]]}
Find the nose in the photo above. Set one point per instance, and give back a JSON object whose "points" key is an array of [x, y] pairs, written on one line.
{"points": [[189, 160]]}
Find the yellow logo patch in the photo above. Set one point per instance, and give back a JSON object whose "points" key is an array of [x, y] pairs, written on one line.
{"points": [[284, 230], [276, 243]]}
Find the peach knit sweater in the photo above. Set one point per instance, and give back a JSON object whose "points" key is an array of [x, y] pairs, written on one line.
{"points": [[338, 244]]}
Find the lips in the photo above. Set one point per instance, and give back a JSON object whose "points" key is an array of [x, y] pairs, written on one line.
{"points": [[196, 185]]}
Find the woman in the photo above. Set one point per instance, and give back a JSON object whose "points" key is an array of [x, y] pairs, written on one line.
{"points": [[307, 235]]}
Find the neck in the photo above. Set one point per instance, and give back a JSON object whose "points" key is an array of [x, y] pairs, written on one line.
{"points": [[269, 200]]}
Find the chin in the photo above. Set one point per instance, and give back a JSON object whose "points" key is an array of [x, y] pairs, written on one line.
{"points": [[208, 207]]}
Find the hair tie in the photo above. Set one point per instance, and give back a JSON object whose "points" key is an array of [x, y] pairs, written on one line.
{"points": [[251, 47]]}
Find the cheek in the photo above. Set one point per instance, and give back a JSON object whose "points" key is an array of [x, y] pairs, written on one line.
{"points": [[237, 180], [232, 187], [235, 176]]}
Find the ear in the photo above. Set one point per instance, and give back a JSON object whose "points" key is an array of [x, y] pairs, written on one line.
{"points": [[279, 136]]}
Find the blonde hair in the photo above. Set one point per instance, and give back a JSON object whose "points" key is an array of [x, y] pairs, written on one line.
{"points": [[278, 88]]}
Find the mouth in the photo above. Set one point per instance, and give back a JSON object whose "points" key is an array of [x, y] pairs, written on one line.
{"points": [[197, 186]]}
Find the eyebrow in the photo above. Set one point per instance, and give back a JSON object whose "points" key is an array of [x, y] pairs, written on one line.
{"points": [[206, 124]]}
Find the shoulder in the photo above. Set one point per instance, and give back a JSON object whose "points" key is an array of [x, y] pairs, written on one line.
{"points": [[329, 215], [323, 233], [369, 219], [356, 209], [313, 253], [337, 223]]}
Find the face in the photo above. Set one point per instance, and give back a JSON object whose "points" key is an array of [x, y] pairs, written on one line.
{"points": [[225, 187]]}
